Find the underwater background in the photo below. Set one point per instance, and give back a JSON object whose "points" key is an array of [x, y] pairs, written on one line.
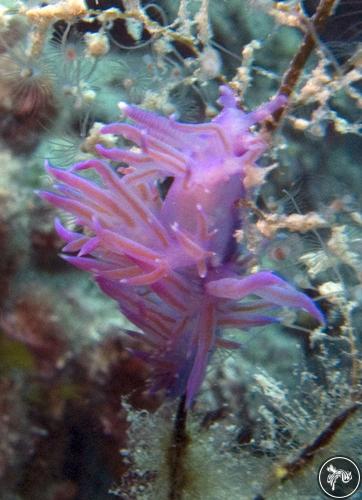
{"points": [[77, 417]]}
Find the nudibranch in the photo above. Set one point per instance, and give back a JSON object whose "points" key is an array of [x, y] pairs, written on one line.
{"points": [[170, 259]]}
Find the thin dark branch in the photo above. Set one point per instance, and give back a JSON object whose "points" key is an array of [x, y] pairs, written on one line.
{"points": [[324, 438], [177, 452], [291, 77], [289, 469]]}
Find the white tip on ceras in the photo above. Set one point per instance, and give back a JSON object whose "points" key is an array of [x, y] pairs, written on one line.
{"points": [[122, 106]]}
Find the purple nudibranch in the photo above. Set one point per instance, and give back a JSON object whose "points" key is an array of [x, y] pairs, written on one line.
{"points": [[171, 260]]}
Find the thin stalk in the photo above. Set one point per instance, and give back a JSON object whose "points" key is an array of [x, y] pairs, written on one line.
{"points": [[291, 77], [177, 452], [322, 440]]}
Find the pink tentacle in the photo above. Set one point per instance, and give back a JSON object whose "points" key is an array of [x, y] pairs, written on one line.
{"points": [[125, 130], [64, 233], [205, 328], [236, 288], [122, 155], [268, 286]]}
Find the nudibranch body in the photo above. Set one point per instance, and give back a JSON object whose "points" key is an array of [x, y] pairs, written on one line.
{"points": [[171, 260]]}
